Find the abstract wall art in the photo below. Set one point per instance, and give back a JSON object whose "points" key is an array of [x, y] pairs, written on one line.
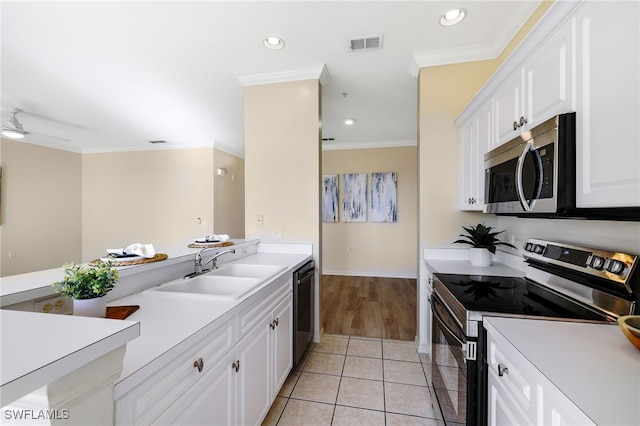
{"points": [[330, 198], [354, 197], [384, 203]]}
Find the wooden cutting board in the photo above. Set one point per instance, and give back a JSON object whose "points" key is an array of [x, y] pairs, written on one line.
{"points": [[121, 312]]}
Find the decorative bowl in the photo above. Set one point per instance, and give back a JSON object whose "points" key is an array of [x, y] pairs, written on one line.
{"points": [[630, 326]]}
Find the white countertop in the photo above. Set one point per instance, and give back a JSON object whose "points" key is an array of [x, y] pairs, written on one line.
{"points": [[33, 285], [456, 261], [40, 348], [594, 365], [169, 319]]}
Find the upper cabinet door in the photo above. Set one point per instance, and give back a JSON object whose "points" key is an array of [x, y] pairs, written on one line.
{"points": [[608, 100], [549, 76], [509, 108], [542, 88]]}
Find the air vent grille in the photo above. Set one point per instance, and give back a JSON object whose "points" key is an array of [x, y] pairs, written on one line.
{"points": [[365, 43]]}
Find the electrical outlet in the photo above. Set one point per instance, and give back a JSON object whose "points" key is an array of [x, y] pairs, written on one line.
{"points": [[276, 234], [53, 305]]}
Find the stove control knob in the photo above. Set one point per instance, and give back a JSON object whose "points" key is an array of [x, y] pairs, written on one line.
{"points": [[615, 267], [528, 247], [538, 249], [597, 262]]}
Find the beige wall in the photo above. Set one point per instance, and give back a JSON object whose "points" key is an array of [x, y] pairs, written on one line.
{"points": [[282, 161], [146, 197], [41, 217], [229, 195], [374, 249], [282, 166], [443, 92]]}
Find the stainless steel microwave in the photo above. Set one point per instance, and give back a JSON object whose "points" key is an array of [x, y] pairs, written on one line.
{"points": [[534, 174]]}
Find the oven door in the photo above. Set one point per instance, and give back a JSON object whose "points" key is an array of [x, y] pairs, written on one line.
{"points": [[453, 375]]}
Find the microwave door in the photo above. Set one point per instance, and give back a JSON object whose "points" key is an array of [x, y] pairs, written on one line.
{"points": [[529, 176]]}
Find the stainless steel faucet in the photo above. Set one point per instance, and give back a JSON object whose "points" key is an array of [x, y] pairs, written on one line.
{"points": [[198, 265]]}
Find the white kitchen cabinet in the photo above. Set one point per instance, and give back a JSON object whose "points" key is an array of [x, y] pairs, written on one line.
{"points": [[607, 124], [150, 399], [210, 401], [518, 393], [282, 345], [475, 139], [230, 375], [254, 386], [425, 325], [265, 358], [468, 170], [540, 89]]}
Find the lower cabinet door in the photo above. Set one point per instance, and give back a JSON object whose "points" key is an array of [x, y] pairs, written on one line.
{"points": [[503, 411], [253, 376], [283, 343], [210, 401]]}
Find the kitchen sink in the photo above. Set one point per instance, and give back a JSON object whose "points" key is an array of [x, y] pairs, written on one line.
{"points": [[212, 285], [230, 281], [246, 270]]}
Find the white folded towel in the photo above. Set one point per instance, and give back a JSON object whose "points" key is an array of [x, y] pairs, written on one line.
{"points": [[215, 238], [143, 250]]}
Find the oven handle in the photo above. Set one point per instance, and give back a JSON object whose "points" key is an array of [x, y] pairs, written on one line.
{"points": [[437, 317]]}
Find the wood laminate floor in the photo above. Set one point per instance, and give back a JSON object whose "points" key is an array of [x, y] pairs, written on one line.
{"points": [[369, 306]]}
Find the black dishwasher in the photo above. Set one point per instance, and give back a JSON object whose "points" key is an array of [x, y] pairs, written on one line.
{"points": [[303, 301]]}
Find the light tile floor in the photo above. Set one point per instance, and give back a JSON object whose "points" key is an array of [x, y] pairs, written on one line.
{"points": [[358, 381]]}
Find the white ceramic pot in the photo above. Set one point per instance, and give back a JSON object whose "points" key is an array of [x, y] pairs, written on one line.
{"points": [[480, 256], [96, 307]]}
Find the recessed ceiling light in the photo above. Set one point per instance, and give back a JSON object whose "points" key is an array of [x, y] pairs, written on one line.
{"points": [[13, 134], [273, 43], [349, 121], [453, 17]]}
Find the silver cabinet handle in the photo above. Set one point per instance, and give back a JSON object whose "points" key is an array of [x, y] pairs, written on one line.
{"points": [[236, 365], [523, 121], [274, 323], [199, 364], [502, 370]]}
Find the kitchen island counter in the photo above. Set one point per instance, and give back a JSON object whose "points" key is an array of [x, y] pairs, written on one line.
{"points": [[594, 365]]}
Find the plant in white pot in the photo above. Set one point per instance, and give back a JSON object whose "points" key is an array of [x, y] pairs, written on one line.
{"points": [[483, 243], [86, 286]]}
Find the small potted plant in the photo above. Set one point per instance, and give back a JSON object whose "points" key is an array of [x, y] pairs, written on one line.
{"points": [[483, 243], [86, 286]]}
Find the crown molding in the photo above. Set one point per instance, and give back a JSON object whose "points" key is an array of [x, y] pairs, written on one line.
{"points": [[431, 58], [334, 146], [318, 71]]}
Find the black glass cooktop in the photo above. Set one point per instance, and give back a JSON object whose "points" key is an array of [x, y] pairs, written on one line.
{"points": [[512, 296]]}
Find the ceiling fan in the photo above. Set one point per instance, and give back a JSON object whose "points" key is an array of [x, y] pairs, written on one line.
{"points": [[13, 129]]}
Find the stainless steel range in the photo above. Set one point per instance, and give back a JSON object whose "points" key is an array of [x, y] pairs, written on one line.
{"points": [[562, 282]]}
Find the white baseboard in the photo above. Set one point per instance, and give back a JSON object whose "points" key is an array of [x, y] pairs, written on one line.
{"points": [[408, 275]]}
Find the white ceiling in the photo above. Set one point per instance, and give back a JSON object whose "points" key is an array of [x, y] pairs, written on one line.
{"points": [[111, 76]]}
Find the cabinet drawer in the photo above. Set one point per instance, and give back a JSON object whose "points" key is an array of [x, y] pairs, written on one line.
{"points": [[147, 401], [516, 375], [251, 315]]}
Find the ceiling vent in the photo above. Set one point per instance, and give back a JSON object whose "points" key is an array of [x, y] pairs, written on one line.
{"points": [[159, 141], [365, 43]]}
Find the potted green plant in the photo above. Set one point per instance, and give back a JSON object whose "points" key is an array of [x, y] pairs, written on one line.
{"points": [[483, 243], [86, 286]]}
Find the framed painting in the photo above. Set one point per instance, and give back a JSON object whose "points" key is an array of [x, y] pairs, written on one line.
{"points": [[354, 197], [384, 203], [330, 198]]}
